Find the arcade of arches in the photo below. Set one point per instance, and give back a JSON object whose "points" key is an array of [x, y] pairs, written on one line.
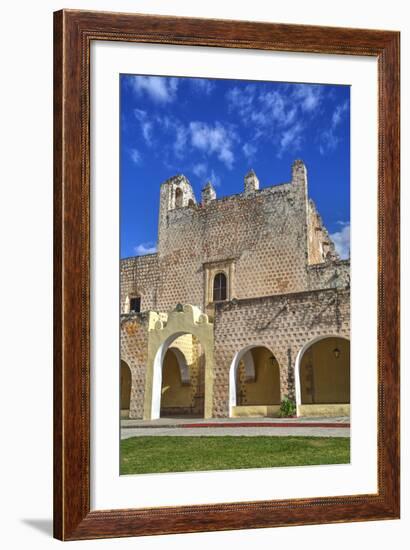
{"points": [[324, 375]]}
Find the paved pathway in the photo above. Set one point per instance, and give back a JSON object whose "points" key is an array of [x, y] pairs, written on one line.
{"points": [[321, 427]]}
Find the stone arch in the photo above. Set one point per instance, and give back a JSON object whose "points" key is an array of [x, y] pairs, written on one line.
{"points": [[165, 329], [338, 405], [245, 356], [125, 388]]}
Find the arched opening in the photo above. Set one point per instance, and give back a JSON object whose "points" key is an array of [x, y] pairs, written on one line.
{"points": [[191, 203], [220, 287], [125, 389], [186, 320], [254, 384], [175, 390], [178, 197], [322, 377], [182, 370]]}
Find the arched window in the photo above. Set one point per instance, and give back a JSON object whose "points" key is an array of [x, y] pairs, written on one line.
{"points": [[178, 197], [219, 287], [135, 304]]}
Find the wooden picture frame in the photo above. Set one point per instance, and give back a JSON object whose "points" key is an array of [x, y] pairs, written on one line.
{"points": [[74, 32]]}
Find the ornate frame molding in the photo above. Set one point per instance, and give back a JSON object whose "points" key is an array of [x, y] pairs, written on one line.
{"points": [[73, 33]]}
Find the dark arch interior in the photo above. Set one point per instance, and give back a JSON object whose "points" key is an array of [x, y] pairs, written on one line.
{"points": [[125, 389], [178, 197], [183, 377], [260, 385], [325, 372]]}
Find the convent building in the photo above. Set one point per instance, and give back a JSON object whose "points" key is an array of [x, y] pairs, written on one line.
{"points": [[245, 302]]}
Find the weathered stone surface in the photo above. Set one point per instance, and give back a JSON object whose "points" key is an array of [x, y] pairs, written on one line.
{"points": [[286, 284], [282, 324]]}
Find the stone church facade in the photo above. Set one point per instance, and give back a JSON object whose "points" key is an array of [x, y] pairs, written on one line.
{"points": [[245, 302]]}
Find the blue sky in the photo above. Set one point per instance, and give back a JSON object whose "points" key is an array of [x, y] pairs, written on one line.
{"points": [[214, 129]]}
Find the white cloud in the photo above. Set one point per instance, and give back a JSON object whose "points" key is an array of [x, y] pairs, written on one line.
{"points": [[181, 136], [249, 150], [200, 169], [145, 125], [145, 248], [241, 100], [214, 178], [216, 139], [135, 156], [140, 114], [329, 139], [279, 115], [202, 85], [277, 108], [291, 139], [338, 114], [342, 240], [310, 96], [180, 133], [160, 89]]}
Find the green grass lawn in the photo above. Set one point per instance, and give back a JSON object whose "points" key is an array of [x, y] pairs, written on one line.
{"points": [[149, 454]]}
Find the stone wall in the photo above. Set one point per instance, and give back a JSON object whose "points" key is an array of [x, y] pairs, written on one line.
{"points": [[261, 233], [286, 285], [320, 246], [134, 350], [283, 324], [139, 277], [330, 274], [262, 239]]}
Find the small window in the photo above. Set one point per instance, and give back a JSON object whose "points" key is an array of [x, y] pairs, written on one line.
{"points": [[178, 197], [135, 304], [220, 287]]}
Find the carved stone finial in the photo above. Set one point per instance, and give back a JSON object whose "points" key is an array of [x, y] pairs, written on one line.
{"points": [[208, 193], [251, 182]]}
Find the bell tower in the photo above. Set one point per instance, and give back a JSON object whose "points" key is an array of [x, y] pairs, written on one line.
{"points": [[175, 193]]}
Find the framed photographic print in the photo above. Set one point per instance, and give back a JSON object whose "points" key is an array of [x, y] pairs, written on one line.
{"points": [[226, 275]]}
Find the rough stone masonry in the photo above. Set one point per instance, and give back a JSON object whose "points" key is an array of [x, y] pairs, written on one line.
{"points": [[261, 268]]}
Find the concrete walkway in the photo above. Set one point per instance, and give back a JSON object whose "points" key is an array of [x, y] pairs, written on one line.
{"points": [[319, 427]]}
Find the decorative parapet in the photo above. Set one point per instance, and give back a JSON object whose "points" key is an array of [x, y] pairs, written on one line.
{"points": [[208, 193], [191, 315], [251, 183]]}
